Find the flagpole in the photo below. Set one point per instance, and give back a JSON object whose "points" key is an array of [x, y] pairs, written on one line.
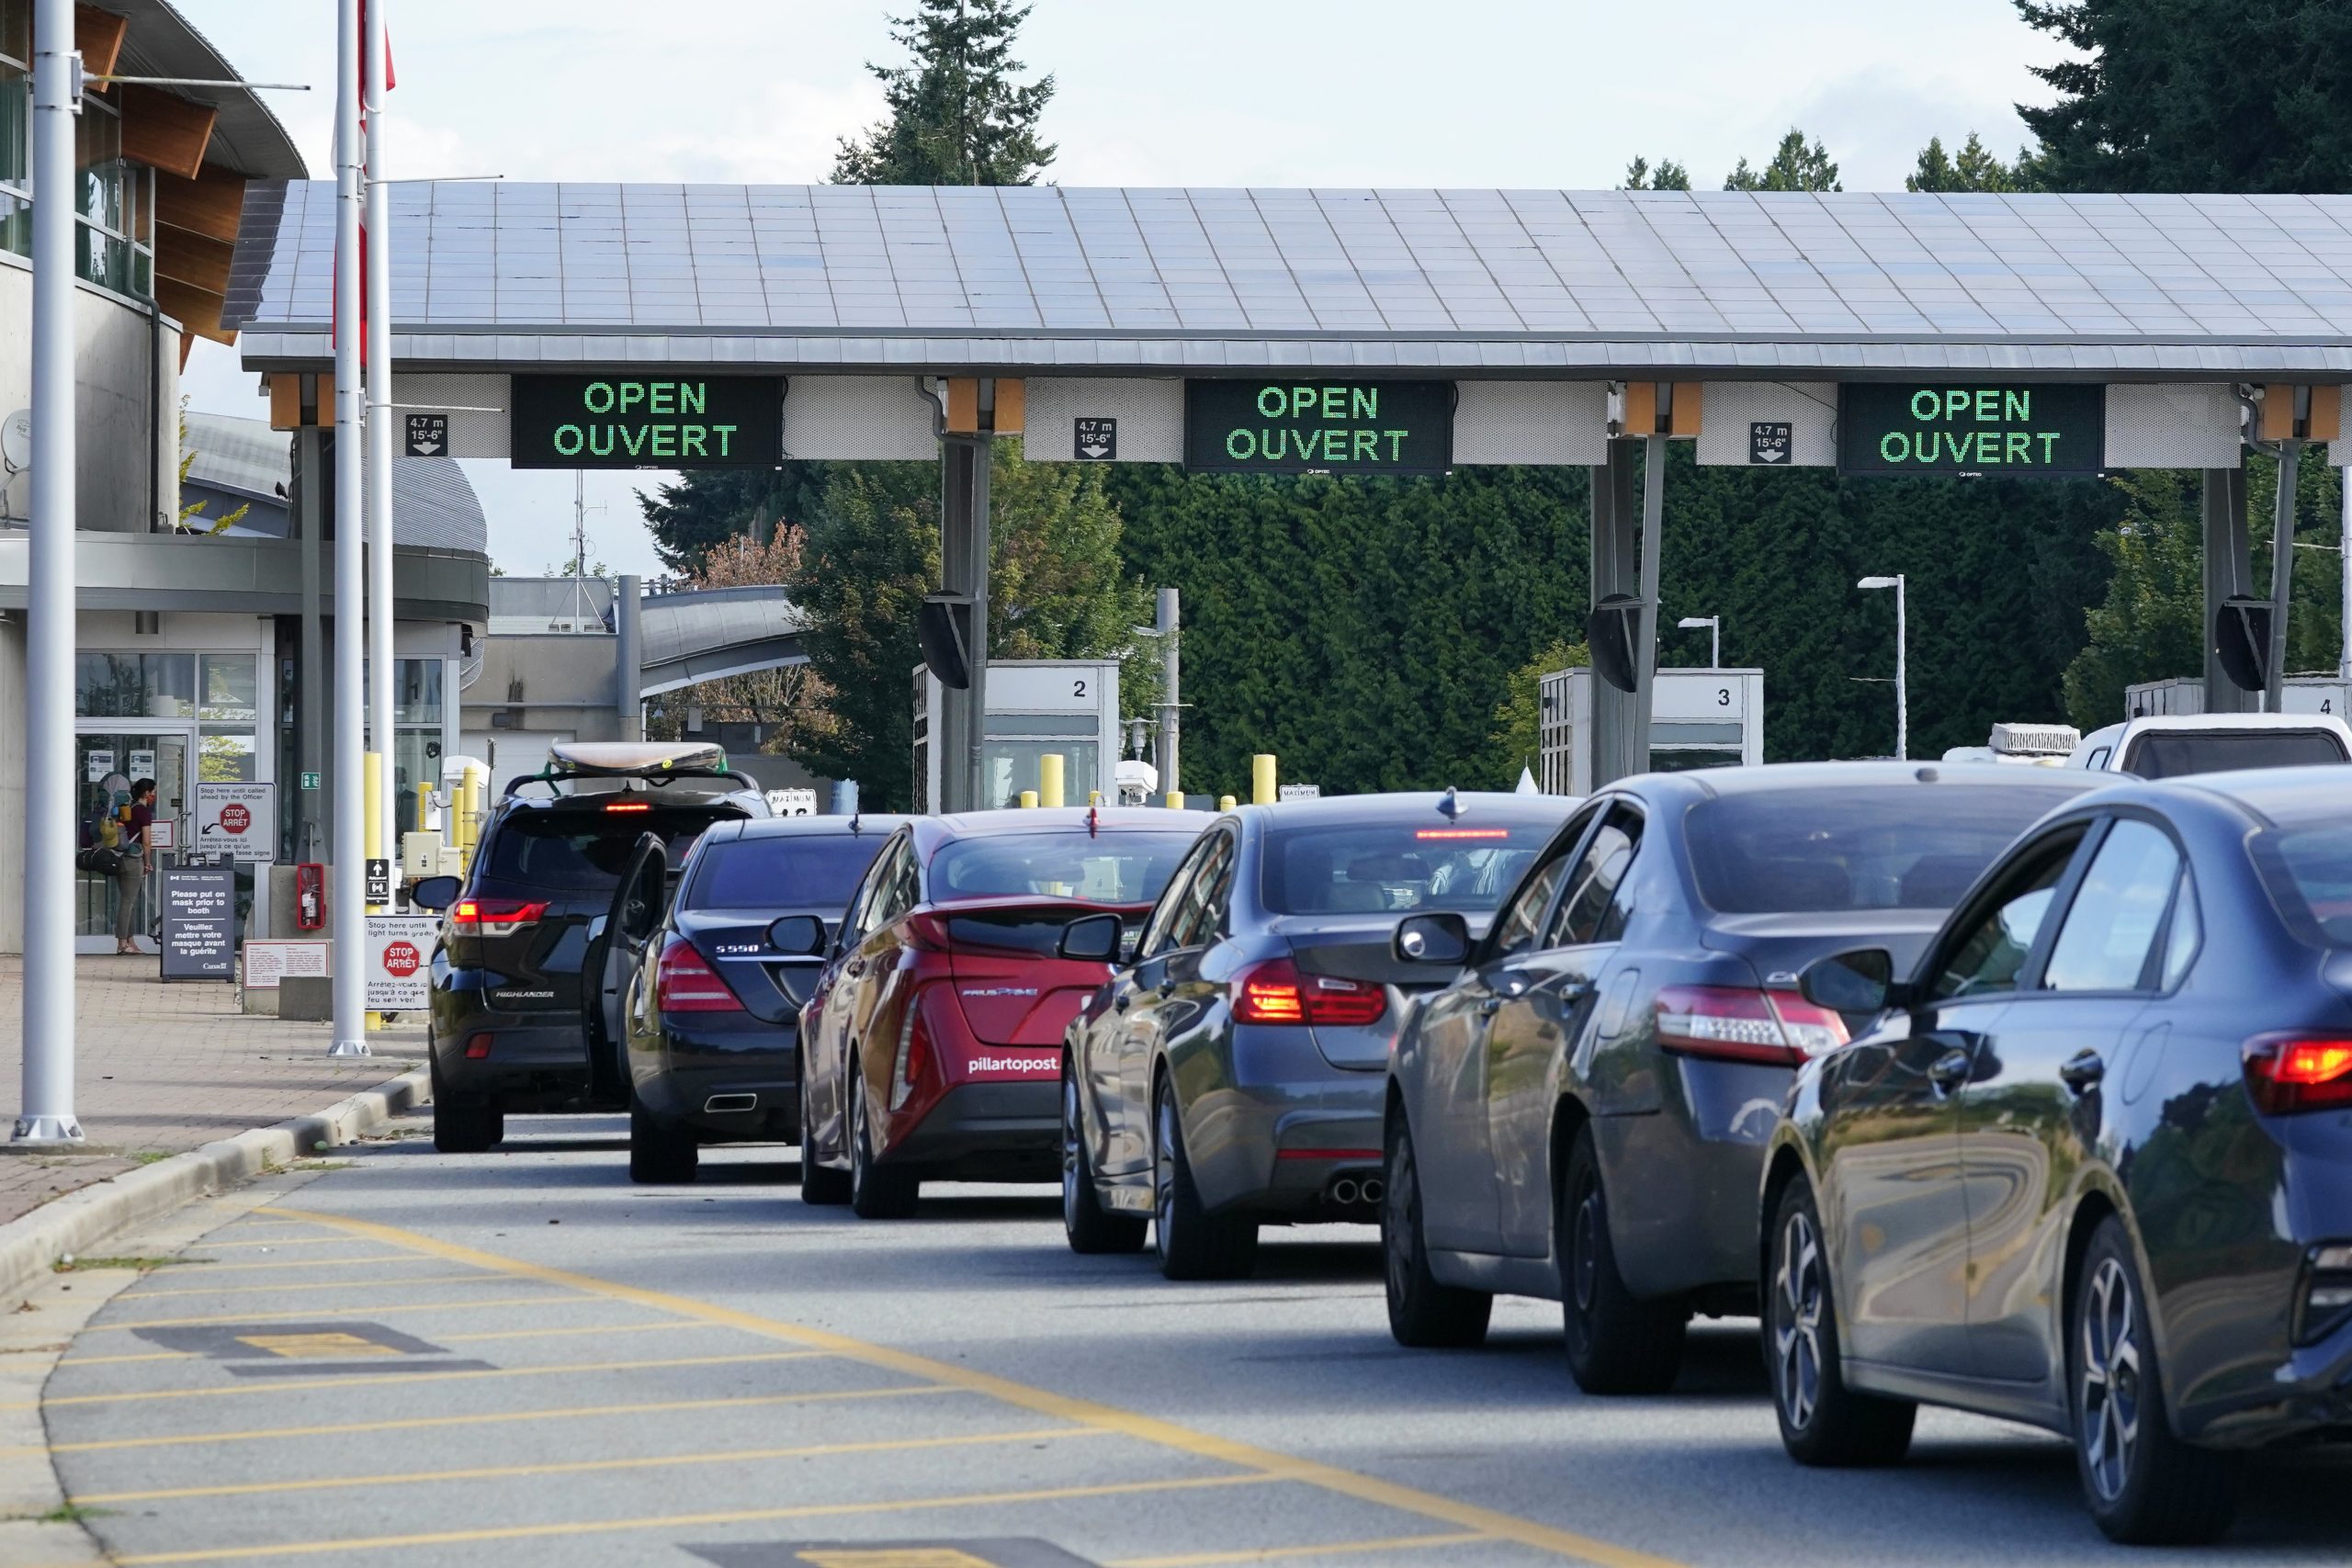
{"points": [[377, 318], [346, 919]]}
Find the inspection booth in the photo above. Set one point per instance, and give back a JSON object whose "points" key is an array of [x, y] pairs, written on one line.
{"points": [[2180, 696], [1701, 718], [1034, 706]]}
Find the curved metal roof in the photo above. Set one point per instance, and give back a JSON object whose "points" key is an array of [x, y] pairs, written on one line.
{"points": [[239, 460], [1547, 283], [247, 138]]}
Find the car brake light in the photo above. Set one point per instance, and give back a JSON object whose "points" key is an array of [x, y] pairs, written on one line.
{"points": [[683, 982], [1274, 992], [495, 917], [2288, 1072], [478, 1048], [1461, 832], [914, 1051], [1734, 1024], [629, 806]]}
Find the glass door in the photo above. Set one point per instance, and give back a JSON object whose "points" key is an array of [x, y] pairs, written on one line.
{"points": [[106, 764]]}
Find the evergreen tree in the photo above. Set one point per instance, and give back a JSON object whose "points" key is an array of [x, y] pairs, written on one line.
{"points": [[1975, 169], [1793, 166], [706, 507], [2178, 95], [956, 116], [1667, 175]]}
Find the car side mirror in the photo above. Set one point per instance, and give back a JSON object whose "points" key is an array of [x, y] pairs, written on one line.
{"points": [[1092, 939], [1439, 937], [801, 936], [434, 892], [1861, 981]]}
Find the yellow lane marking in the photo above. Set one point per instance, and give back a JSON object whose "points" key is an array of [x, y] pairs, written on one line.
{"points": [[582, 1467], [413, 1423], [697, 1521], [671, 1326], [379, 1308], [321, 1285], [290, 1385], [1060, 1407], [1283, 1553]]}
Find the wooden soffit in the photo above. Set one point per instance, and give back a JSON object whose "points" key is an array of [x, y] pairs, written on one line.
{"points": [[167, 133]]}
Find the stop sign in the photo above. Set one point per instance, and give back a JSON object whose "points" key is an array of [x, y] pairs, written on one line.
{"points": [[236, 818], [400, 958]]}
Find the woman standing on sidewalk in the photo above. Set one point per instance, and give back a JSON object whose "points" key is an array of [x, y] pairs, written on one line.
{"points": [[133, 869]]}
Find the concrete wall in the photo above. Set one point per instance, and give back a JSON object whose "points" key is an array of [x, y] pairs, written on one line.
{"points": [[126, 369], [12, 781]]}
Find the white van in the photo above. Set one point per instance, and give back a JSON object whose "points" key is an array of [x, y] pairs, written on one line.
{"points": [[2166, 746]]}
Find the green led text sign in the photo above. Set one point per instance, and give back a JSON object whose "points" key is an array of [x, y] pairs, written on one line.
{"points": [[1293, 427], [1908, 427], [646, 421]]}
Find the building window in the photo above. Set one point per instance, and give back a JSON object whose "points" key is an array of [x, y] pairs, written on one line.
{"points": [[115, 246], [134, 685], [416, 744], [16, 126]]}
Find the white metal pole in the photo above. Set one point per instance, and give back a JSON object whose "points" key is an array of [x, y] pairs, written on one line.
{"points": [[47, 1116], [1714, 642], [380, 415], [1902, 675], [347, 923]]}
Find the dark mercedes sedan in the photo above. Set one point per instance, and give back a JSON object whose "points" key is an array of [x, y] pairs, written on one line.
{"points": [[2092, 1169], [1582, 1113], [1232, 1074], [697, 994]]}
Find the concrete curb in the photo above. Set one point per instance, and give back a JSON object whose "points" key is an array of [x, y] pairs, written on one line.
{"points": [[88, 1216]]}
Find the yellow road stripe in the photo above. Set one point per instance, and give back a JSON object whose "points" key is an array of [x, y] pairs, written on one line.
{"points": [[581, 1466], [671, 1326], [364, 1380], [1060, 1407], [413, 1423], [326, 1312], [697, 1521], [321, 1285], [1283, 1553]]}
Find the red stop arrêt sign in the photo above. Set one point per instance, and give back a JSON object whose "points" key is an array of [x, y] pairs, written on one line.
{"points": [[402, 958], [236, 818]]}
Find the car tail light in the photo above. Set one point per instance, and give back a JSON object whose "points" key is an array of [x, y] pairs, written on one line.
{"points": [[1732, 1023], [914, 1051], [495, 917], [478, 1047], [2286, 1073], [683, 982], [2327, 1294], [1274, 992]]}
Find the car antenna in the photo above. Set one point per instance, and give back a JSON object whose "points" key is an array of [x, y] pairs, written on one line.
{"points": [[1450, 805], [856, 819], [1094, 821]]}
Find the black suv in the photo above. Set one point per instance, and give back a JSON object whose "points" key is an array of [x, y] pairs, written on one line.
{"points": [[506, 1032], [700, 992]]}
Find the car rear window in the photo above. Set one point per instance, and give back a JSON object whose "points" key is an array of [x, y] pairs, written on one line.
{"points": [[1822, 850], [2307, 871], [801, 870], [1368, 868], [585, 852], [1108, 868], [2170, 756]]}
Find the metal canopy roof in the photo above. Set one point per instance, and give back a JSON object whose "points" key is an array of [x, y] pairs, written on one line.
{"points": [[1457, 283]]}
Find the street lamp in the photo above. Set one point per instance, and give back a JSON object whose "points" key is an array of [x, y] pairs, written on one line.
{"points": [[1902, 688], [1714, 624]]}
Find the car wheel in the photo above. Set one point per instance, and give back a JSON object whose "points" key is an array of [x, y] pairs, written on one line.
{"points": [[2144, 1485], [876, 1191], [1090, 1226], [1192, 1243], [1617, 1342], [1423, 1311], [821, 1185], [463, 1125], [1823, 1422], [659, 1154]]}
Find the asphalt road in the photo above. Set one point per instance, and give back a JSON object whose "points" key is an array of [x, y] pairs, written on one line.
{"points": [[519, 1359]]}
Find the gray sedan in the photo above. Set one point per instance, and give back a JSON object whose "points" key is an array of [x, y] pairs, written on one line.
{"points": [[1232, 1074]]}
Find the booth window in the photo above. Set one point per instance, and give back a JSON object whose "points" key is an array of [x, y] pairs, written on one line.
{"points": [[416, 747]]}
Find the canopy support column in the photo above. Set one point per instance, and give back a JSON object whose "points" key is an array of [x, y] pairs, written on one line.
{"points": [[1610, 737], [964, 572], [2229, 569]]}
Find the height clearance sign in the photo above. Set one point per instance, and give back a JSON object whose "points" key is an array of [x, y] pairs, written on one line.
{"points": [[646, 421], [1899, 427], [1296, 427]]}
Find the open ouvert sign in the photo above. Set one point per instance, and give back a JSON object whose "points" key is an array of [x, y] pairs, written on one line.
{"points": [[646, 421]]}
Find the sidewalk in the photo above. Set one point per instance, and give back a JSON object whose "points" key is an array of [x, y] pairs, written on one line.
{"points": [[159, 1069]]}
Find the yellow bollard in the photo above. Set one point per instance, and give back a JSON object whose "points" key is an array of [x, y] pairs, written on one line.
{"points": [[1093, 797], [475, 798], [1050, 778], [1225, 803], [371, 797], [1261, 779], [1028, 800], [1175, 800], [424, 807]]}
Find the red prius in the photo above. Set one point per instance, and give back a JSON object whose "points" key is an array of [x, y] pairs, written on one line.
{"points": [[933, 1042]]}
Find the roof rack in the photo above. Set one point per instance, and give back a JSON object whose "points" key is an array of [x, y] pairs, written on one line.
{"points": [[654, 762]]}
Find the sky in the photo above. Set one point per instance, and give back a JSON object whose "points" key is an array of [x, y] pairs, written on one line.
{"points": [[1345, 93]]}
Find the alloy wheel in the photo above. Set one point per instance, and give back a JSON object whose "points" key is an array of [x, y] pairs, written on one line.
{"points": [[1798, 1301], [2111, 1373], [1401, 1219], [1069, 1152], [1585, 1242], [861, 1152], [1164, 1173]]}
